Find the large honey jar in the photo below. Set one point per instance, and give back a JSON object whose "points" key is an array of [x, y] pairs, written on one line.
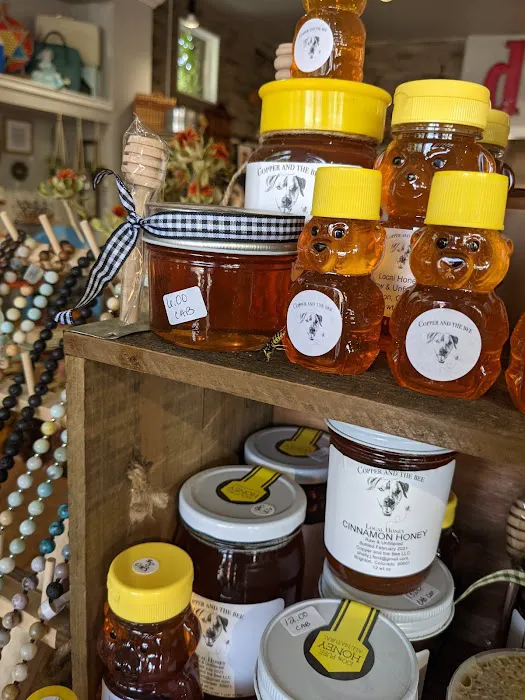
{"points": [[148, 642], [223, 282], [436, 125], [516, 372], [448, 330], [306, 123], [330, 40], [242, 529], [335, 309], [385, 505], [496, 139]]}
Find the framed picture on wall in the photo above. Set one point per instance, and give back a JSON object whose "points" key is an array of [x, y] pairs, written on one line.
{"points": [[18, 136]]}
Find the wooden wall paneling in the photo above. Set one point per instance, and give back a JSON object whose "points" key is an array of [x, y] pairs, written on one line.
{"points": [[116, 415]]}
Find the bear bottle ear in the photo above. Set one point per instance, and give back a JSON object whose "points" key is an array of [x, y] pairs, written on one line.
{"points": [[508, 243]]}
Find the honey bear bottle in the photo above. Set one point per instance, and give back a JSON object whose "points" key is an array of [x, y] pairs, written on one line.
{"points": [[330, 40], [516, 372], [335, 309], [496, 139], [148, 642], [436, 125], [449, 329]]}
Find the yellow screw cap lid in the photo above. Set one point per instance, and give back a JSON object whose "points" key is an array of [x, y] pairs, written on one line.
{"points": [[443, 102], [53, 692], [343, 192], [498, 129], [323, 104], [469, 200], [150, 582], [450, 513]]}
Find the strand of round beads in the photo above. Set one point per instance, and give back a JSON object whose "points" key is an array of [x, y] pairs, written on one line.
{"points": [[112, 304], [44, 490], [15, 439], [38, 630]]}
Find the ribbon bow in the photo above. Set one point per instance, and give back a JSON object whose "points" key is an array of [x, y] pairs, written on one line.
{"points": [[117, 249]]}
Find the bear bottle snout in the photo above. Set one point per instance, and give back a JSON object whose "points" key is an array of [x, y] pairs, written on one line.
{"points": [[319, 247], [453, 262]]}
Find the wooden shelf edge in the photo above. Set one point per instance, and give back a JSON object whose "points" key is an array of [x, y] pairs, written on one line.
{"points": [[21, 92], [489, 427]]}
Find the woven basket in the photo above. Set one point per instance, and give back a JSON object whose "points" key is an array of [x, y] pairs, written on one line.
{"points": [[151, 109]]}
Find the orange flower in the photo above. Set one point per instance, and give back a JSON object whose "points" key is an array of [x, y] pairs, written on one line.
{"points": [[220, 151], [66, 173], [186, 137], [193, 188], [207, 191], [119, 211]]}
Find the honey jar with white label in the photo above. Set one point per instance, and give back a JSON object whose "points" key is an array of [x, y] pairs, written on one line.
{"points": [[449, 329], [221, 281], [335, 311]]}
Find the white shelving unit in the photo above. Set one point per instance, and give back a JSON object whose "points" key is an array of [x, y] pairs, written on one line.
{"points": [[21, 92]]}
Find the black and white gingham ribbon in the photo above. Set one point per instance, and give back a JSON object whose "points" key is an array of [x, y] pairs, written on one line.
{"points": [[183, 222]]}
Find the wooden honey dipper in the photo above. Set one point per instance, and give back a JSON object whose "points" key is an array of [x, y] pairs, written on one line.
{"points": [[515, 532], [144, 167], [283, 61]]}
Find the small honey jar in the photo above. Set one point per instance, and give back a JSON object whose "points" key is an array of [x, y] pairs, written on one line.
{"points": [[516, 372], [336, 309], [223, 281], [330, 40], [449, 329], [496, 139]]}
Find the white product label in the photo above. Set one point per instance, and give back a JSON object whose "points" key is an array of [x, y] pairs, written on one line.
{"points": [[303, 621], [283, 187], [313, 45], [229, 644], [185, 305], [423, 595], [145, 566], [516, 638], [443, 344], [393, 274], [263, 509], [314, 323], [384, 522], [106, 694], [51, 697]]}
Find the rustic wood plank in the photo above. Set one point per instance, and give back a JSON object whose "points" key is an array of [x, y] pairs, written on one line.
{"points": [[114, 415], [489, 427]]}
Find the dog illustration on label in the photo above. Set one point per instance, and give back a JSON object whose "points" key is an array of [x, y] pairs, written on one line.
{"points": [[389, 494], [213, 627], [312, 46], [402, 251], [313, 324], [444, 344], [287, 190]]}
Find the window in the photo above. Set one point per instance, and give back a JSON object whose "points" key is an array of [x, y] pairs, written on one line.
{"points": [[198, 63]]}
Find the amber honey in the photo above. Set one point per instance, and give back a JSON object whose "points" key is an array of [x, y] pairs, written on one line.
{"points": [[437, 126], [516, 371], [244, 294], [335, 308], [330, 40], [448, 330]]}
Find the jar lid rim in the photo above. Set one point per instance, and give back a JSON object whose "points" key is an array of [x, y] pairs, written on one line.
{"points": [[385, 441], [216, 245]]}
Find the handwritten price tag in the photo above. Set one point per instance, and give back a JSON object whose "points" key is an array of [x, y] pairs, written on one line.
{"points": [[184, 305], [303, 621], [423, 595]]}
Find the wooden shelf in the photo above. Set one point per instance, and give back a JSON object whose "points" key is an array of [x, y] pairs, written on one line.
{"points": [[490, 427], [22, 92]]}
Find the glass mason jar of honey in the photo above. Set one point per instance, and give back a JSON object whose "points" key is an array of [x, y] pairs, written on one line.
{"points": [[330, 40], [225, 288], [448, 330], [496, 139], [385, 505], [335, 309], [302, 454], [516, 372], [436, 125], [306, 123], [150, 635], [242, 529]]}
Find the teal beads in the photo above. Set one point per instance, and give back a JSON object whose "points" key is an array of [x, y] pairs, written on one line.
{"points": [[46, 546], [63, 511], [45, 489], [15, 499], [56, 528]]}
